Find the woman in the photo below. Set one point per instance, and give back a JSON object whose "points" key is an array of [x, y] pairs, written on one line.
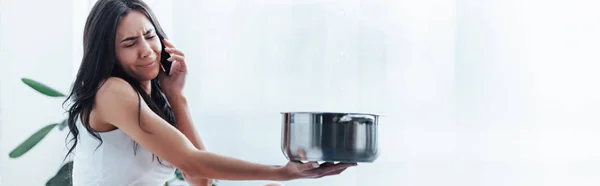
{"points": [[129, 119]]}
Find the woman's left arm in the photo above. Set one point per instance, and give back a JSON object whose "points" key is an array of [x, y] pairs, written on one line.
{"points": [[185, 126], [184, 121], [173, 87]]}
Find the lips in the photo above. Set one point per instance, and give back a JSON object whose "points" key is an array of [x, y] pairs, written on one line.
{"points": [[148, 64]]}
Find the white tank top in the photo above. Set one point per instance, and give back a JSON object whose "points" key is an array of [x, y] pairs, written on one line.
{"points": [[114, 162]]}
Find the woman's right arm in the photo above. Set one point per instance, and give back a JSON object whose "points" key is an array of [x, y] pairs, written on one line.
{"points": [[118, 104]]}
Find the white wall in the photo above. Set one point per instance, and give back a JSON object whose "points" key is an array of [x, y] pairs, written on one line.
{"points": [[473, 92], [528, 92], [35, 44], [251, 60], [42, 42]]}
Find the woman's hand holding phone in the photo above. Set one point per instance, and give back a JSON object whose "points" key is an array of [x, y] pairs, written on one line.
{"points": [[173, 82]]}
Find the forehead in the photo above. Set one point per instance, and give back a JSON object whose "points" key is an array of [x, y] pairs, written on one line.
{"points": [[133, 23]]}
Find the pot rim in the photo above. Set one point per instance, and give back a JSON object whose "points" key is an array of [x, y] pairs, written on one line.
{"points": [[331, 112]]}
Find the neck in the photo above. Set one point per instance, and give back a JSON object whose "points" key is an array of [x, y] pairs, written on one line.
{"points": [[146, 85]]}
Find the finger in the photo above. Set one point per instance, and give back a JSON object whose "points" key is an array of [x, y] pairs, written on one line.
{"points": [[335, 172], [174, 66], [168, 43], [341, 170], [330, 168], [327, 164], [348, 164], [177, 58], [172, 51], [308, 166]]}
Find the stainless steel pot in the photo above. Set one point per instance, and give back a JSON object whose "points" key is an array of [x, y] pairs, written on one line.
{"points": [[328, 136]]}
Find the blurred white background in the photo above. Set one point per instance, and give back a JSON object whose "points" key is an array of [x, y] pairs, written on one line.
{"points": [[473, 92]]}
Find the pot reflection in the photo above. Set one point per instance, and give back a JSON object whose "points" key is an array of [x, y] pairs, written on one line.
{"points": [[339, 137]]}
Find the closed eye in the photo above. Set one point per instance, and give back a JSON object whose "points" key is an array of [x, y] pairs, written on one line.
{"points": [[134, 38], [149, 37]]}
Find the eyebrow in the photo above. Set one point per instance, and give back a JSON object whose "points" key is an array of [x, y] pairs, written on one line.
{"points": [[135, 37]]}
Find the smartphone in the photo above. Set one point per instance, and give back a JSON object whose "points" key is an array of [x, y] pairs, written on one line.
{"points": [[163, 59]]}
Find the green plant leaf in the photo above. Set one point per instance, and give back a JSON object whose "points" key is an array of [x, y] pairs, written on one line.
{"points": [[62, 124], [63, 177], [31, 141], [178, 174], [41, 88]]}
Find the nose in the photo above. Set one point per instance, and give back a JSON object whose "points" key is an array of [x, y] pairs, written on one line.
{"points": [[146, 50]]}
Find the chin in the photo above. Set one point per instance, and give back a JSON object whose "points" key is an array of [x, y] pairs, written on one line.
{"points": [[148, 75], [152, 74]]}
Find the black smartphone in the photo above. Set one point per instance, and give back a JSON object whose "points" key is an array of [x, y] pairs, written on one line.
{"points": [[163, 59]]}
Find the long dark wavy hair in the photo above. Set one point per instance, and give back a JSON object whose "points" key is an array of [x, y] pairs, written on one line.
{"points": [[100, 62]]}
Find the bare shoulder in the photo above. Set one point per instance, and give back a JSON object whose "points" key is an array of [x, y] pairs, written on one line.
{"points": [[119, 105], [115, 86], [115, 95]]}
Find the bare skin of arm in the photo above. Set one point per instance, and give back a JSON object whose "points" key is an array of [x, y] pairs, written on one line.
{"points": [[184, 122], [185, 126], [183, 117], [117, 104]]}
